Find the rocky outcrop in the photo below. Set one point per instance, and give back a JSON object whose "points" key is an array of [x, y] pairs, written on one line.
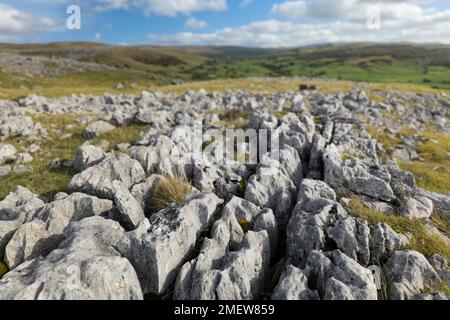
{"points": [[409, 272], [41, 235], [293, 285], [85, 266], [17, 208], [98, 180], [232, 263], [276, 226], [160, 244], [97, 128]]}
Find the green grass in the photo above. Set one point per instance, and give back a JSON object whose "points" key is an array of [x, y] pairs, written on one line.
{"points": [[430, 176], [433, 173], [351, 69], [44, 181], [415, 68], [422, 240], [383, 137]]}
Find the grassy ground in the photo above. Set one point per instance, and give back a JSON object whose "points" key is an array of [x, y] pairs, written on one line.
{"points": [[44, 181], [370, 69], [98, 83], [433, 173], [421, 240]]}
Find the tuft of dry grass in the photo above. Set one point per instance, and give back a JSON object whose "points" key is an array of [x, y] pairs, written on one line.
{"points": [[441, 287], [3, 269], [245, 225], [170, 190]]}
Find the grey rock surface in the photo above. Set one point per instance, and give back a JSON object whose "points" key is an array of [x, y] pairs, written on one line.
{"points": [[160, 245], [97, 180], [86, 266]]}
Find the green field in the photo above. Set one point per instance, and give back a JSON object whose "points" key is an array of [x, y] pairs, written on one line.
{"points": [[143, 67]]}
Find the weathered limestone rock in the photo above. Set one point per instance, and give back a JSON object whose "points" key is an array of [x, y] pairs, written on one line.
{"points": [[131, 212], [270, 187], [143, 192], [41, 235], [17, 208], [7, 153], [97, 180], [339, 277], [233, 262], [315, 211], [315, 166], [87, 155], [97, 128], [352, 237], [440, 201], [164, 157], [384, 241], [86, 266], [160, 245], [410, 272], [440, 264], [293, 285], [354, 176]]}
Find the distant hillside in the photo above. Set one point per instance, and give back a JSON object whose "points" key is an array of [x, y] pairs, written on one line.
{"points": [[406, 63]]}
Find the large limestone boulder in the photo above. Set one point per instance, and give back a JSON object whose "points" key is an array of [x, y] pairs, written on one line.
{"points": [[409, 272], [87, 155], [232, 263], [41, 235], [7, 153], [86, 266], [97, 180], [293, 285], [339, 277], [17, 208], [97, 128], [161, 244], [131, 212]]}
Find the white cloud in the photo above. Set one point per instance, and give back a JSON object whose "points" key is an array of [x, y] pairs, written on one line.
{"points": [[108, 5], [347, 9], [245, 3], [426, 27], [163, 7], [15, 23], [193, 23], [97, 37]]}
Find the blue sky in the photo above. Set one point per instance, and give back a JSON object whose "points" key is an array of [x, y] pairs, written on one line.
{"points": [[257, 23]]}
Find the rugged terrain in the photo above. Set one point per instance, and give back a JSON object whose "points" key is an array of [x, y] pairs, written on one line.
{"points": [[59, 69], [94, 207]]}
